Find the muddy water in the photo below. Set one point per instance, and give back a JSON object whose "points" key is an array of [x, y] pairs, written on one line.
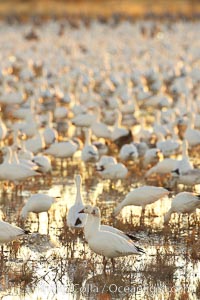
{"points": [[53, 262]]}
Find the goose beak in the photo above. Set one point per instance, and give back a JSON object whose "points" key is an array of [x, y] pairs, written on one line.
{"points": [[82, 211]]}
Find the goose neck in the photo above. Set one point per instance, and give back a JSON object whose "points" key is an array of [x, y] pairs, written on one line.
{"points": [[92, 226]]}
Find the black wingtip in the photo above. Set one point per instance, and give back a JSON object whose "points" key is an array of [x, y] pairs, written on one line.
{"points": [[132, 237], [140, 249], [176, 171], [78, 222]]}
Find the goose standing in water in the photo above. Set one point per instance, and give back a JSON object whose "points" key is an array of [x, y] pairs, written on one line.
{"points": [[9, 232], [120, 135], [89, 152], [74, 219], [183, 202], [106, 243], [37, 203], [94, 210], [142, 196], [188, 178], [128, 152], [50, 134], [3, 130], [112, 171], [14, 170]]}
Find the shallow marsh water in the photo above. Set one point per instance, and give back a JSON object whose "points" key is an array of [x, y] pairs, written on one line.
{"points": [[54, 262]]}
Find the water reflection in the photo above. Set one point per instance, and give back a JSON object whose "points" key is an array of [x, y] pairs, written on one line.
{"points": [[54, 262]]}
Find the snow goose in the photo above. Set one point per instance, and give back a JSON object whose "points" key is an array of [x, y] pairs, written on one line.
{"points": [[109, 117], [106, 243], [188, 178], [13, 97], [192, 135], [74, 219], [37, 203], [14, 171], [151, 156], [50, 135], [101, 146], [128, 152], [142, 196], [29, 127], [168, 146], [142, 148], [167, 165], [183, 202], [83, 120], [9, 232], [89, 152], [43, 162], [105, 160], [120, 135], [112, 171], [22, 152], [36, 143], [99, 129], [60, 112], [185, 164], [63, 149], [3, 130], [94, 210]]}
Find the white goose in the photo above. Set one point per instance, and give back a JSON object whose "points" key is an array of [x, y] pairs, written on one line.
{"points": [[105, 160], [168, 146], [94, 210], [113, 171], [3, 130], [9, 232], [43, 162], [185, 163], [83, 120], [37, 203], [151, 156], [183, 202], [99, 129], [36, 143], [74, 219], [106, 243], [29, 127], [128, 152], [23, 153], [14, 171], [142, 196], [119, 132], [188, 178], [50, 135], [192, 135], [167, 165], [89, 152], [62, 149]]}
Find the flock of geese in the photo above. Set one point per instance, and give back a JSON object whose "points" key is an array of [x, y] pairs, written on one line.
{"points": [[118, 122]]}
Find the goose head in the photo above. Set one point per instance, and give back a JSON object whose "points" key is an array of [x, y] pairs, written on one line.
{"points": [[91, 210]]}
